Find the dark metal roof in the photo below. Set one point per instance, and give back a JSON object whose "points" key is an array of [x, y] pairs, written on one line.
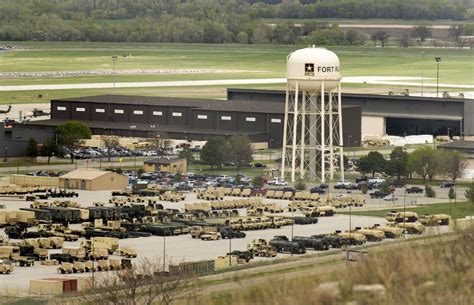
{"points": [[355, 95], [106, 125], [163, 160]]}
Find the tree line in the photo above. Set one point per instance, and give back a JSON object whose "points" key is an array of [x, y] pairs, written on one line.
{"points": [[204, 21], [425, 162]]}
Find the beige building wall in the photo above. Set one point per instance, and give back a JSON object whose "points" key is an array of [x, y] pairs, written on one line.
{"points": [[25, 180], [110, 181], [373, 125]]}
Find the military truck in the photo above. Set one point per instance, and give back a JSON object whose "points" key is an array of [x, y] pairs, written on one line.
{"points": [[103, 265], [260, 248], [282, 244], [330, 240], [211, 236], [435, 219], [89, 266], [6, 266], [197, 231], [115, 264], [128, 252], [118, 201], [243, 255], [352, 238], [411, 227], [311, 243], [78, 253], [371, 234], [78, 267], [395, 216], [227, 232], [39, 204], [390, 231], [66, 268]]}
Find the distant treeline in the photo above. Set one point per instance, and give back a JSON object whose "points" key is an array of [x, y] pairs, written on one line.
{"points": [[206, 21]]}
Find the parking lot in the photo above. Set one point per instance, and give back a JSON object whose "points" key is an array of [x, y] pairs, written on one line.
{"points": [[184, 248]]}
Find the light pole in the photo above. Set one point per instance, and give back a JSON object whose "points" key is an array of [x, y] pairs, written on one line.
{"points": [[448, 132], [422, 72], [230, 238], [438, 60], [114, 58], [5, 159]]}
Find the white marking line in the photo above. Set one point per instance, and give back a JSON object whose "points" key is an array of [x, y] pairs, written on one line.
{"points": [[370, 80]]}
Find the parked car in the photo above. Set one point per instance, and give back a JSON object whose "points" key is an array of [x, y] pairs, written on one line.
{"points": [[341, 185], [378, 194], [447, 184], [278, 182], [414, 190], [260, 165], [377, 180], [318, 190], [390, 197]]}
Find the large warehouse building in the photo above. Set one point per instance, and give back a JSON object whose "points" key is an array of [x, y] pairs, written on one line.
{"points": [[258, 114], [183, 118]]}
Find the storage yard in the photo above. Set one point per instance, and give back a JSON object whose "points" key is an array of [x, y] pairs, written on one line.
{"points": [[179, 242]]}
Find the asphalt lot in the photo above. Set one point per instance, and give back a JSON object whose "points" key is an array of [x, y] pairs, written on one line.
{"points": [[184, 248]]}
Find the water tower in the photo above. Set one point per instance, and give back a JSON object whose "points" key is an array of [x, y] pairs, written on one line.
{"points": [[312, 134]]}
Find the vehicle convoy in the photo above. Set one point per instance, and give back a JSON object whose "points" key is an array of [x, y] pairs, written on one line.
{"points": [[435, 220], [283, 245]]}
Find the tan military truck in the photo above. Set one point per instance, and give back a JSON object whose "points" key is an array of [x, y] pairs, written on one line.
{"points": [[6, 267], [118, 201], [411, 227], [259, 247], [57, 242], [79, 253], [103, 265], [197, 231], [89, 266], [395, 216], [435, 219], [66, 268], [390, 231], [78, 267], [353, 238], [211, 236], [128, 252], [115, 264], [371, 234], [109, 243], [39, 204]]}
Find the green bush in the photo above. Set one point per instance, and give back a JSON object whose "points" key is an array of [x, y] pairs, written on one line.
{"points": [[258, 181], [451, 193], [430, 192], [364, 188], [384, 188], [300, 185]]}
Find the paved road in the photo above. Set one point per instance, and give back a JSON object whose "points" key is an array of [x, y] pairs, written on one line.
{"points": [[373, 80]]}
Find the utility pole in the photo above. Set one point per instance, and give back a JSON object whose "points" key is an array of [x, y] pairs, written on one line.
{"points": [[438, 60], [230, 238], [422, 72], [114, 58]]}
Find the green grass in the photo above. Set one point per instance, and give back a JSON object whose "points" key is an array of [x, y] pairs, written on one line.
{"points": [[459, 210], [369, 21]]}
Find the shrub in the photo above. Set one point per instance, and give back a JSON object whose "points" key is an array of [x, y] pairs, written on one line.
{"points": [[430, 192], [258, 181], [300, 185], [364, 188]]}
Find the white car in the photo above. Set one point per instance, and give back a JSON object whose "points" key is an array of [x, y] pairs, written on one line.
{"points": [[280, 182], [342, 184], [390, 198], [377, 180]]}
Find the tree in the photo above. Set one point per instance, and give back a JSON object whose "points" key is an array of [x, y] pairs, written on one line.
{"points": [[71, 134], [258, 181], [454, 163], [187, 154], [109, 143], [425, 162], [214, 152], [405, 41], [239, 150], [451, 193], [455, 31], [300, 185], [397, 165], [50, 148], [381, 36], [32, 149], [142, 283], [373, 163], [469, 193], [421, 32]]}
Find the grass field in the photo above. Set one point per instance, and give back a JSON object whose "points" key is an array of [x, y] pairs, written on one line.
{"points": [[459, 210], [238, 61]]}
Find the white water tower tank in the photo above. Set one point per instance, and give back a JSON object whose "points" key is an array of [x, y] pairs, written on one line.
{"points": [[310, 66]]}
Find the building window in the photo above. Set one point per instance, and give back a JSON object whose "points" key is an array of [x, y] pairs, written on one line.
{"points": [[250, 119], [202, 117], [119, 111], [178, 114], [80, 109], [157, 113], [276, 120], [61, 108], [226, 118], [137, 111], [100, 110]]}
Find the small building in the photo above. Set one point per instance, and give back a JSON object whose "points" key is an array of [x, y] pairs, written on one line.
{"points": [[93, 180], [172, 166]]}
